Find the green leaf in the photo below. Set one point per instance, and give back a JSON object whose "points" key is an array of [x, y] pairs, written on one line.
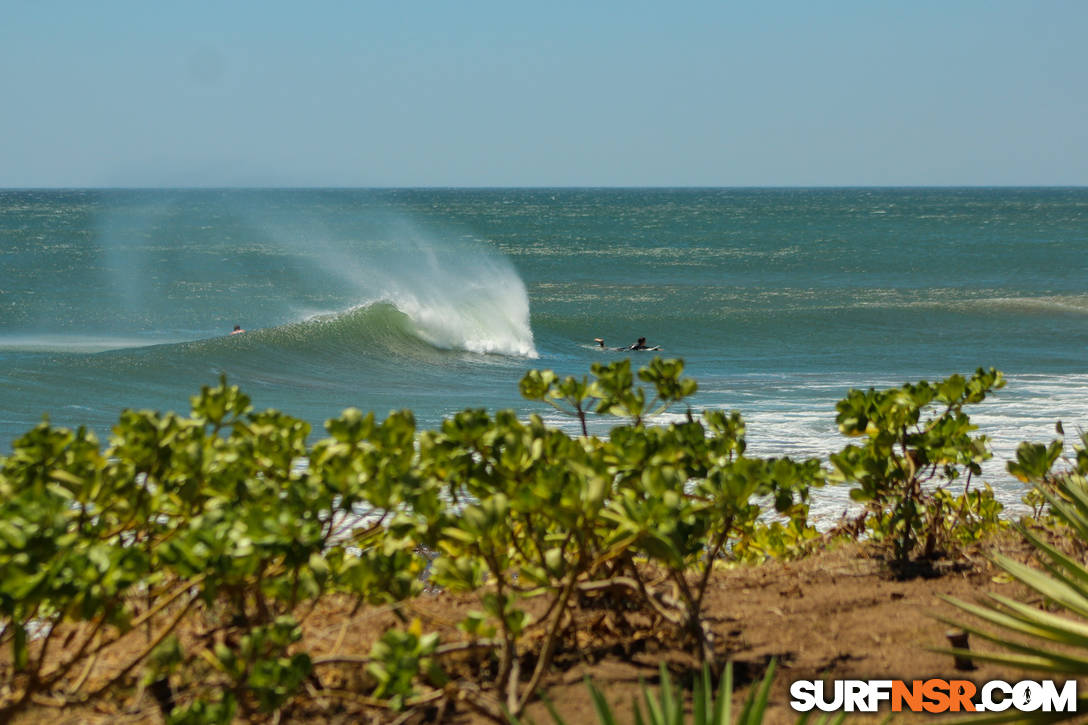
{"points": [[12, 535], [604, 711]]}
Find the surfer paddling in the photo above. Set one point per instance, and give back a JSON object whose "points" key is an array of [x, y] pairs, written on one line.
{"points": [[640, 345], [237, 330]]}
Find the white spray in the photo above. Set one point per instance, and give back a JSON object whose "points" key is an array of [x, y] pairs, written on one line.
{"points": [[459, 293]]}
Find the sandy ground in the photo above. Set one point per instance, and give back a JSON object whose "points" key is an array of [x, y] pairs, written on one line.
{"points": [[838, 614]]}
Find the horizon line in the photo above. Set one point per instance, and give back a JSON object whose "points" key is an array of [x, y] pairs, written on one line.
{"points": [[485, 187]]}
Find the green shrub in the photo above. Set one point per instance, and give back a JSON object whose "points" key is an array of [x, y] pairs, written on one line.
{"points": [[905, 461], [226, 523]]}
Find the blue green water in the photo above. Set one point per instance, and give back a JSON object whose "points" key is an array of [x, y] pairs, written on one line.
{"points": [[778, 299]]}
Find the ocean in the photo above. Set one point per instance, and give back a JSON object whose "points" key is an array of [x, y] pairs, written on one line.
{"points": [[778, 300]]}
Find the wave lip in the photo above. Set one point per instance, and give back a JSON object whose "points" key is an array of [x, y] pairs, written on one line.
{"points": [[459, 298], [457, 293], [473, 324], [409, 326], [476, 328]]}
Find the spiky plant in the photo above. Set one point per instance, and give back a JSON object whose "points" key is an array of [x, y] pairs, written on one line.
{"points": [[667, 706], [1035, 639]]}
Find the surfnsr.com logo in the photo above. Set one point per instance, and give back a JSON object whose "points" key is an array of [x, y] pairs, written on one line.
{"points": [[933, 695]]}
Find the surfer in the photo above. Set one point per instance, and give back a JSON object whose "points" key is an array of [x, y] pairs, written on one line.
{"points": [[237, 330], [640, 345]]}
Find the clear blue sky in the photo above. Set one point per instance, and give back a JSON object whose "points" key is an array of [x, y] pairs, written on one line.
{"points": [[379, 93]]}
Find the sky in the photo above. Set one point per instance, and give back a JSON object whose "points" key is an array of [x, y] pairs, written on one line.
{"points": [[592, 93]]}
